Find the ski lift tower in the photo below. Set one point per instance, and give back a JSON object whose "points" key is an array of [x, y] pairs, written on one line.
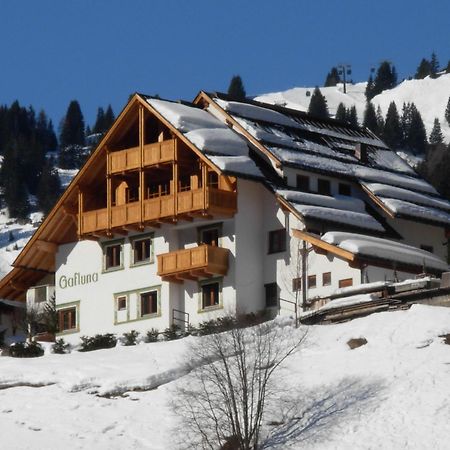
{"points": [[343, 71]]}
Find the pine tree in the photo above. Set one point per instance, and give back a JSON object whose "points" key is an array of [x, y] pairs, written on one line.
{"points": [[386, 78], [423, 70], [447, 69], [341, 113], [370, 118], [72, 138], [109, 118], [14, 191], [369, 89], [434, 65], [99, 126], [447, 112], [72, 132], [392, 132], [236, 88], [352, 116], [436, 136], [318, 105], [380, 121], [333, 78], [49, 188], [416, 136]]}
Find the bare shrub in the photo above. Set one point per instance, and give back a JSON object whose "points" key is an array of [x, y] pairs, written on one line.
{"points": [[227, 391]]}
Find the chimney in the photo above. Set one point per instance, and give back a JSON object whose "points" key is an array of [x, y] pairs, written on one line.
{"points": [[361, 152]]}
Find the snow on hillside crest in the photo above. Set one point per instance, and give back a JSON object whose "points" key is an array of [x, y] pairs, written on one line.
{"points": [[429, 95], [391, 393]]}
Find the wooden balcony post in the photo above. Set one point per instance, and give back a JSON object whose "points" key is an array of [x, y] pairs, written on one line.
{"points": [[205, 185], [141, 170], [80, 212], [175, 179], [108, 190]]}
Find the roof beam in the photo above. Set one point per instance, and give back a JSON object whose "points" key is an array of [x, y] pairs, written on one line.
{"points": [[316, 242], [46, 246]]}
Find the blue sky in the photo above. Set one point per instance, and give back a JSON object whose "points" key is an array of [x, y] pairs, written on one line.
{"points": [[99, 51]]}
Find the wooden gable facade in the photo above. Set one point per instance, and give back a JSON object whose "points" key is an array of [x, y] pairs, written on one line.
{"points": [[143, 173]]}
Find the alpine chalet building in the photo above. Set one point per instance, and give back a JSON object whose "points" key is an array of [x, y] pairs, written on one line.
{"points": [[189, 211]]}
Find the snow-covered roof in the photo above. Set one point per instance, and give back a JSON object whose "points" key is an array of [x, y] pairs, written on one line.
{"points": [[338, 209], [215, 140], [297, 139], [384, 249]]}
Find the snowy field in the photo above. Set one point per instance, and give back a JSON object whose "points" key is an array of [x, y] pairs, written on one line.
{"points": [[429, 95], [392, 393]]}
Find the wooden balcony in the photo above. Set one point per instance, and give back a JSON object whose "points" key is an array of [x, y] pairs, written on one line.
{"points": [[203, 261], [197, 202], [130, 158]]}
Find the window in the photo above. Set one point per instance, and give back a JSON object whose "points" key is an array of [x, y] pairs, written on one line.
{"points": [[296, 284], [345, 189], [113, 256], [210, 294], [149, 303], [142, 250], [277, 241], [326, 279], [346, 282], [209, 235], [312, 282], [271, 295], [303, 183], [323, 186], [427, 248], [67, 319], [121, 303], [40, 294]]}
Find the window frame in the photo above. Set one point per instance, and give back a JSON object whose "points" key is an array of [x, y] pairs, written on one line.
{"points": [[320, 190], [296, 284], [156, 313], [65, 308], [141, 238], [345, 187], [281, 244], [105, 246], [214, 226], [324, 282], [345, 282], [312, 285], [274, 286], [219, 304], [305, 179]]}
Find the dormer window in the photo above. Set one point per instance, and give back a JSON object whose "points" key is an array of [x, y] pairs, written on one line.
{"points": [[323, 186]]}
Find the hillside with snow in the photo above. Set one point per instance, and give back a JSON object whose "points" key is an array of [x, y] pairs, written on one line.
{"points": [[429, 95], [391, 393]]}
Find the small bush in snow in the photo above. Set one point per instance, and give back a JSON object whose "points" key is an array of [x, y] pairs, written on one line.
{"points": [[26, 350], [130, 338], [61, 347], [97, 342], [152, 335], [446, 338], [171, 333]]}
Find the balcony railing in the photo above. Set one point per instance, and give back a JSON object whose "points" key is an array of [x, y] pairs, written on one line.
{"points": [[193, 263], [130, 158], [211, 201]]}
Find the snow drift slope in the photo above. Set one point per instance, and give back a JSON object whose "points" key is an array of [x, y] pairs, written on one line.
{"points": [[391, 393], [429, 95]]}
